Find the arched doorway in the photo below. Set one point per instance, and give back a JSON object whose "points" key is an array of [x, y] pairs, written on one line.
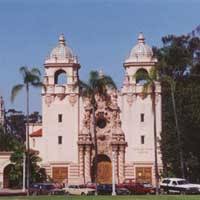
{"points": [[104, 169], [6, 180]]}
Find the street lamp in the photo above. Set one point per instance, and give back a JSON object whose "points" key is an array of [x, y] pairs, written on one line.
{"points": [[113, 174]]}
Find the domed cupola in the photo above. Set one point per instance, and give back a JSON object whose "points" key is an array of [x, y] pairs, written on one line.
{"points": [[141, 52], [62, 53]]}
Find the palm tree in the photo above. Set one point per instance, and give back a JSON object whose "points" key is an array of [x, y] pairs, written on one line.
{"points": [[149, 86], [172, 83], [30, 77], [98, 84]]}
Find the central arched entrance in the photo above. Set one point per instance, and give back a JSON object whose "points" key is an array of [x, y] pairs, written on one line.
{"points": [[104, 169]]}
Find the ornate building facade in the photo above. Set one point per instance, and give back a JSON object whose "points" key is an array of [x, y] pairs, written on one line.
{"points": [[65, 138]]}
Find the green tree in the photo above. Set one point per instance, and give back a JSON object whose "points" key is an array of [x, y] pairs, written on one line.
{"points": [[30, 77], [98, 84], [149, 86], [177, 58]]}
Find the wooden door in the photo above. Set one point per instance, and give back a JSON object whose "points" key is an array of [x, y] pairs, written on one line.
{"points": [[144, 174], [104, 173], [60, 174]]}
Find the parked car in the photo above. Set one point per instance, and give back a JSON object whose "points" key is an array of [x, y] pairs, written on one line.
{"points": [[136, 188], [150, 187], [45, 189], [178, 186], [91, 185], [122, 191], [106, 189], [79, 190]]}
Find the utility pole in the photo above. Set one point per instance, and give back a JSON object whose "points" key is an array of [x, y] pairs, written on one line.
{"points": [[113, 174]]}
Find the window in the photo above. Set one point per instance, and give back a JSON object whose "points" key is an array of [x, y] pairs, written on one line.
{"points": [[59, 139], [60, 118], [142, 139], [142, 117], [33, 142], [166, 181], [174, 183]]}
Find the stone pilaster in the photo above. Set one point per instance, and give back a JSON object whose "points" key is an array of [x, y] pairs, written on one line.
{"points": [[81, 162], [87, 164], [121, 163]]}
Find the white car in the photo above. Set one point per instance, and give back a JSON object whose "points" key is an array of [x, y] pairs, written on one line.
{"points": [[79, 190], [178, 185]]}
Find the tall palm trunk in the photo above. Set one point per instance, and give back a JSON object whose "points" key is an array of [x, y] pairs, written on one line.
{"points": [[155, 139], [95, 147], [27, 140], [177, 131]]}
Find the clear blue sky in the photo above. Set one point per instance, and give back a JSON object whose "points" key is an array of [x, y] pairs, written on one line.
{"points": [[100, 32]]}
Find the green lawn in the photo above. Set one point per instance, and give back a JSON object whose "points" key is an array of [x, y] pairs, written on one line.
{"points": [[146, 197]]}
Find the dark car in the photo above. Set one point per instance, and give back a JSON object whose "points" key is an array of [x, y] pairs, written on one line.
{"points": [[104, 189], [45, 189]]}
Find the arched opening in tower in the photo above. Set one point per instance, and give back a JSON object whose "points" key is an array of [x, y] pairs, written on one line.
{"points": [[60, 77], [141, 76]]}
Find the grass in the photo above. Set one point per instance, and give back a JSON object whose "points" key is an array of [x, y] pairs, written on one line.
{"points": [[133, 197]]}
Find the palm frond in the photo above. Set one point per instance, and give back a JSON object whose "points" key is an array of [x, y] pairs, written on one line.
{"points": [[35, 71], [109, 82], [37, 84], [85, 89], [24, 71], [93, 78], [15, 90], [32, 78], [153, 74]]}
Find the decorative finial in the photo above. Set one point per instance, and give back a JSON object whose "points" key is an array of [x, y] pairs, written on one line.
{"points": [[101, 74], [141, 38], [62, 39]]}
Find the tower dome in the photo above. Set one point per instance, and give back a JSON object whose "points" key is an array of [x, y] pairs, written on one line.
{"points": [[141, 52], [61, 53]]}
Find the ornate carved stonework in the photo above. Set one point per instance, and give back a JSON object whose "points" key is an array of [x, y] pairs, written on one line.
{"points": [[130, 99], [49, 99], [73, 99], [108, 130]]}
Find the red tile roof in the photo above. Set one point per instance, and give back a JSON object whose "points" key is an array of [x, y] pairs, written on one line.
{"points": [[37, 133]]}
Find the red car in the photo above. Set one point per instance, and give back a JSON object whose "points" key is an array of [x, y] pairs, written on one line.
{"points": [[136, 188]]}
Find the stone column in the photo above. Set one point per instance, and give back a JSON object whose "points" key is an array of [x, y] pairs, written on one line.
{"points": [[1, 178], [87, 164], [114, 149], [121, 162], [81, 162]]}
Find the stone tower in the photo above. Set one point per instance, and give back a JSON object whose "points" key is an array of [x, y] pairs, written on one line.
{"points": [[60, 103], [137, 116]]}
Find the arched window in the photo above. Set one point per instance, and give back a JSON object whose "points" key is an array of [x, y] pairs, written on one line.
{"points": [[141, 76], [60, 77]]}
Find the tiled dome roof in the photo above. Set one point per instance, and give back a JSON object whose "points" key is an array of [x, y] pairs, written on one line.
{"points": [[62, 53], [141, 52]]}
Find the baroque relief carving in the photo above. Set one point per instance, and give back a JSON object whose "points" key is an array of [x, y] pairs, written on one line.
{"points": [[49, 99], [73, 99], [130, 99]]}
